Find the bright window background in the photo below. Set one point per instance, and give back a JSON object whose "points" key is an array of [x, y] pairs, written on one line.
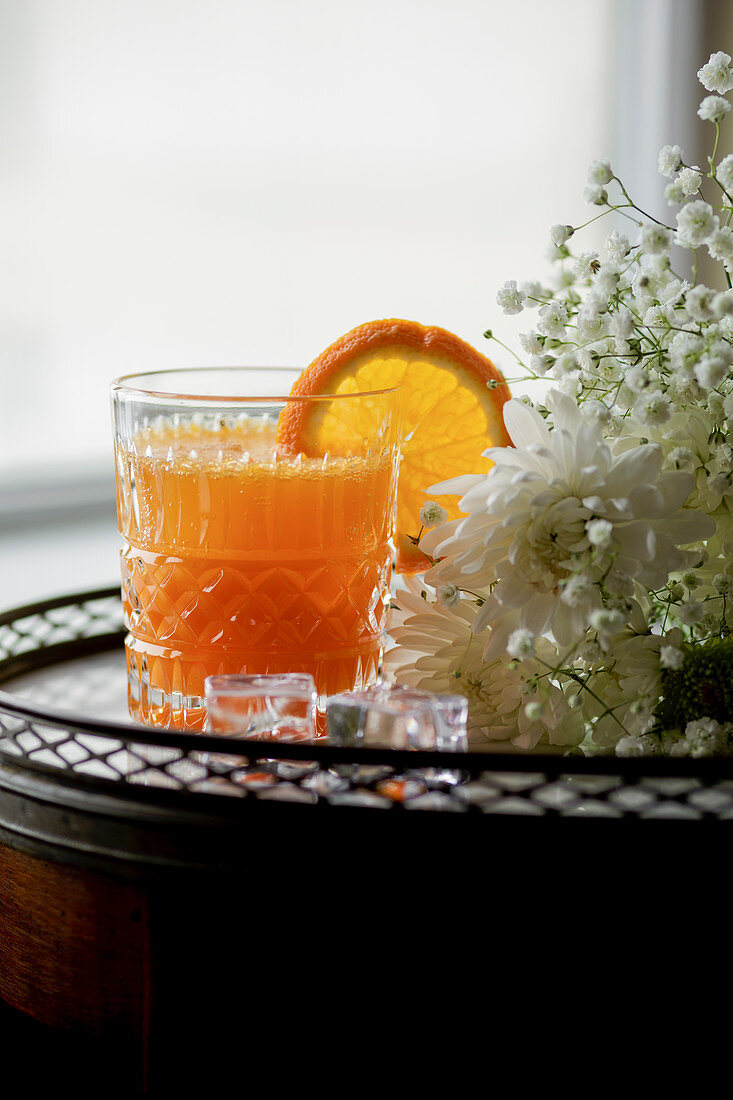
{"points": [[187, 182]]}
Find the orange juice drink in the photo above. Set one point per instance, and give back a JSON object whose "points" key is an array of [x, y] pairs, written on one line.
{"points": [[239, 558]]}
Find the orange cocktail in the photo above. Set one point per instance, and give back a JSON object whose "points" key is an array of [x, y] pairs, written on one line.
{"points": [[239, 556]]}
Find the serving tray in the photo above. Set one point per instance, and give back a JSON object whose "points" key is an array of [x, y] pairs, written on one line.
{"points": [[63, 722]]}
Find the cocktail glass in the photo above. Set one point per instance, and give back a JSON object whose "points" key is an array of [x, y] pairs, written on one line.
{"points": [[240, 556]]}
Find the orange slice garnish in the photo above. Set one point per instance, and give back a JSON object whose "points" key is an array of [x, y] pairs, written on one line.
{"points": [[451, 400]]}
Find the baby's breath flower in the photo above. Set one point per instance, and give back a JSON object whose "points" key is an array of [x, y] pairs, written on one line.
{"points": [[622, 323], [723, 584], [552, 319], [724, 172], [637, 378], [595, 194], [540, 364], [722, 305], [448, 595], [531, 342], [711, 371], [669, 160], [720, 245], [560, 234], [689, 180], [655, 239], [671, 656], [510, 299], [586, 264], [716, 74], [713, 108], [674, 193], [696, 223], [534, 710], [681, 457], [567, 363], [691, 612], [617, 247], [533, 290], [653, 407], [600, 172], [599, 532], [432, 514], [521, 643], [699, 302]]}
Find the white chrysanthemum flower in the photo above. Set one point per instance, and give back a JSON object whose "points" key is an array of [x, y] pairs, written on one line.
{"points": [[696, 223], [525, 528], [713, 108], [670, 160], [689, 181], [716, 74], [510, 299], [435, 649]]}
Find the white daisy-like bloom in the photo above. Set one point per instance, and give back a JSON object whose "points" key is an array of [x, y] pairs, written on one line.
{"points": [[512, 701], [526, 528], [696, 223], [716, 74]]}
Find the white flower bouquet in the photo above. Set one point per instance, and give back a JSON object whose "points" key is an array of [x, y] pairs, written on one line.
{"points": [[585, 599]]}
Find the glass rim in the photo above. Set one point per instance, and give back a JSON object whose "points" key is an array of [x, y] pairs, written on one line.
{"points": [[125, 383]]}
